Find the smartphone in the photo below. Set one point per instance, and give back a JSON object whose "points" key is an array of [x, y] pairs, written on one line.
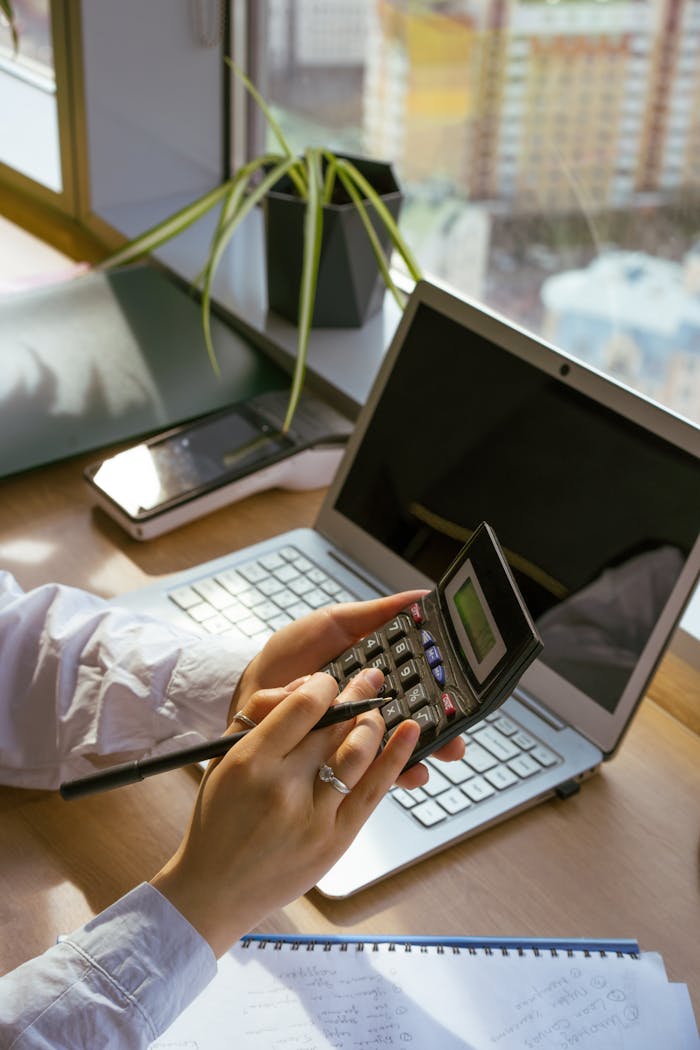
{"points": [[197, 468], [454, 656]]}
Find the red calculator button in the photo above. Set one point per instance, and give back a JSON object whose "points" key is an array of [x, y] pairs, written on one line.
{"points": [[416, 613], [448, 705]]}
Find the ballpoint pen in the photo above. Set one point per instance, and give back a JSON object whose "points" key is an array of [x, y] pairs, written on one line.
{"points": [[139, 769]]}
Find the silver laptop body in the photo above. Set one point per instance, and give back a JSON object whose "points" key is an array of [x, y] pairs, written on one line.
{"points": [[594, 493]]}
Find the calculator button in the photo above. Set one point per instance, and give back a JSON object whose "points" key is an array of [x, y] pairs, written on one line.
{"points": [[396, 628], [371, 646], [433, 656], [426, 639], [408, 674], [382, 662], [416, 613], [390, 687], [448, 705], [349, 661], [426, 719], [417, 696], [392, 713], [402, 651], [439, 674]]}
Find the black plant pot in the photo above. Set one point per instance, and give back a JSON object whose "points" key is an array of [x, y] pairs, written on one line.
{"points": [[350, 285]]}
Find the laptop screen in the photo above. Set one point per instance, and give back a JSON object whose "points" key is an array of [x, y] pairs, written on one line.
{"points": [[595, 513]]}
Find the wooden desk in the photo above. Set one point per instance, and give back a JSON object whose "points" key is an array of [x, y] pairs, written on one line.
{"points": [[618, 860]]}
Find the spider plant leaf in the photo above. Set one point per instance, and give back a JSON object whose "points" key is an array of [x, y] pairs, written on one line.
{"points": [[377, 248], [368, 191], [8, 11], [239, 203], [166, 230], [329, 181], [313, 232], [267, 112]]}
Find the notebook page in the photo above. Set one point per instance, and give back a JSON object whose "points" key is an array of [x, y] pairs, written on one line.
{"points": [[285, 999]]}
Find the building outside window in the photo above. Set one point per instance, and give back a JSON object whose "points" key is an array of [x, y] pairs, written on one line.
{"points": [[547, 150]]}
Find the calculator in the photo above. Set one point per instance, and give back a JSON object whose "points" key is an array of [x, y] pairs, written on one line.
{"points": [[455, 655]]}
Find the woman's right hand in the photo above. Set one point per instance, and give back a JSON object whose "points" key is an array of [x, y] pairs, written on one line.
{"points": [[265, 827]]}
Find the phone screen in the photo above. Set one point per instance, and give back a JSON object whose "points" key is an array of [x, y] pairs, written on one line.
{"points": [[200, 456]]}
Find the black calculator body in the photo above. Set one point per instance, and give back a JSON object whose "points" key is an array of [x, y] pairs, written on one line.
{"points": [[454, 656]]}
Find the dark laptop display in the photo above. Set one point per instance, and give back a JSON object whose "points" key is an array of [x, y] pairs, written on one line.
{"points": [[597, 515]]}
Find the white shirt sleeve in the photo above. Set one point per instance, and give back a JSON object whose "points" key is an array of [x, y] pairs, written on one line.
{"points": [[81, 677], [116, 983]]}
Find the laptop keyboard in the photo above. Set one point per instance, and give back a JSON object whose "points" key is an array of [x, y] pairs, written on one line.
{"points": [[500, 755], [261, 595]]}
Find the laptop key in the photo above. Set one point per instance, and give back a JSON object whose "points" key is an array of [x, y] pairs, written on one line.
{"points": [[501, 777], [201, 612], [524, 766], [478, 789], [479, 759], [544, 756], [456, 772], [185, 597], [499, 746], [454, 800], [523, 740], [429, 813]]}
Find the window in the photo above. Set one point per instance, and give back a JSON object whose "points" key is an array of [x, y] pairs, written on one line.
{"points": [[28, 97], [434, 61]]}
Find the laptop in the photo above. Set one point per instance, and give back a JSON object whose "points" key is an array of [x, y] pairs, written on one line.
{"points": [[594, 494]]}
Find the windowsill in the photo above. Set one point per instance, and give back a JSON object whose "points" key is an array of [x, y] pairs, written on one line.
{"points": [[342, 363]]}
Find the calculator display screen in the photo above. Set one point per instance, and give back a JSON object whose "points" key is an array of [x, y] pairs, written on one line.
{"points": [[473, 622]]}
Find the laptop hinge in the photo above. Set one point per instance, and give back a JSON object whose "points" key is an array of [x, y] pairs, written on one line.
{"points": [[527, 701]]}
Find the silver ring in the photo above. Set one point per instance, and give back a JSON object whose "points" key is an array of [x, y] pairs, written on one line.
{"points": [[327, 775], [244, 720]]}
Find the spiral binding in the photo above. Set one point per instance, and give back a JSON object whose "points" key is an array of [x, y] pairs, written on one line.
{"points": [[495, 948]]}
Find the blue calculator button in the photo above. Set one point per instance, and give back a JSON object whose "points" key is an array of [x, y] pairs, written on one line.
{"points": [[439, 674], [427, 639], [433, 656]]}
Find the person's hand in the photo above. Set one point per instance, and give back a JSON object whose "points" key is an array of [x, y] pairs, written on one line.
{"points": [[265, 827], [313, 641]]}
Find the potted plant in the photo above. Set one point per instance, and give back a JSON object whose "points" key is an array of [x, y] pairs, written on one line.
{"points": [[327, 192]]}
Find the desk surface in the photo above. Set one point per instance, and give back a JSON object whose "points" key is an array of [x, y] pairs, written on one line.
{"points": [[620, 859]]}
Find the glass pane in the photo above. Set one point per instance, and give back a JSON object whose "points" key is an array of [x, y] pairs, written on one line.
{"points": [[549, 153], [28, 114]]}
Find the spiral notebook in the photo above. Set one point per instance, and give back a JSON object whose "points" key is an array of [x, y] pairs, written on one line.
{"points": [[301, 993]]}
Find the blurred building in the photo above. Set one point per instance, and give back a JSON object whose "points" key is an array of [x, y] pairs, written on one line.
{"points": [[636, 317]]}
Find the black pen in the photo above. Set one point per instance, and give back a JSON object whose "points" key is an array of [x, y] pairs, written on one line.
{"points": [[139, 769]]}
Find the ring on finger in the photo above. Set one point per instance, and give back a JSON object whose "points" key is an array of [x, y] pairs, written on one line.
{"points": [[244, 720], [327, 775]]}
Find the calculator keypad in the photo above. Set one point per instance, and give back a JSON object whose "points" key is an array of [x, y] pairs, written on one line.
{"points": [[417, 681]]}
